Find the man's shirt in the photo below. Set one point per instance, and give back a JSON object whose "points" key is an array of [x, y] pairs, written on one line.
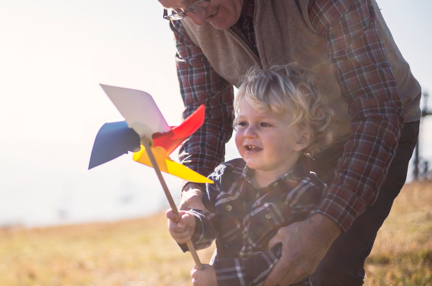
{"points": [[243, 218], [358, 59]]}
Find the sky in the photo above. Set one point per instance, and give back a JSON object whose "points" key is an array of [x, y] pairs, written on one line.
{"points": [[54, 55]]}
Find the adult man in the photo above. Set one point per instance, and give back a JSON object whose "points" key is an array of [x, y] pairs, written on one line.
{"points": [[366, 81]]}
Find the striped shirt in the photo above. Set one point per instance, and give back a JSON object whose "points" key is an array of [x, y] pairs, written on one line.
{"points": [[359, 62]]}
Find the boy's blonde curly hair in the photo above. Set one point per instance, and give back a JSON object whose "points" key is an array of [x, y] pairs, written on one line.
{"points": [[289, 88]]}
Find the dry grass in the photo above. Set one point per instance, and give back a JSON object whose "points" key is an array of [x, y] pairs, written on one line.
{"points": [[402, 254], [140, 252], [128, 253]]}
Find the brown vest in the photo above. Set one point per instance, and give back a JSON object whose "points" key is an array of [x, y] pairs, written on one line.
{"points": [[231, 56]]}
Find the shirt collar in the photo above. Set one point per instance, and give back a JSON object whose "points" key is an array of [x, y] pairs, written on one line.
{"points": [[287, 181], [248, 8], [247, 13]]}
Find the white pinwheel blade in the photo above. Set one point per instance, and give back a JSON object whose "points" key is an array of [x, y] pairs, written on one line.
{"points": [[139, 110]]}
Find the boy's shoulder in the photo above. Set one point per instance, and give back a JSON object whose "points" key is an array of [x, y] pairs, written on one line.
{"points": [[231, 169]]}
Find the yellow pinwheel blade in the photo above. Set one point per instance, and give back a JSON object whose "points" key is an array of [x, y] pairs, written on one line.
{"points": [[185, 173], [159, 154], [168, 166]]}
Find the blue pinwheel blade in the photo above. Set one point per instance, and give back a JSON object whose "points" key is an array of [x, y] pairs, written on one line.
{"points": [[113, 140]]}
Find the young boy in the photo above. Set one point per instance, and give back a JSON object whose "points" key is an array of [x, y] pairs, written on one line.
{"points": [[280, 119]]}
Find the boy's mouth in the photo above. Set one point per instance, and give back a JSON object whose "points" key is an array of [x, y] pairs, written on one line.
{"points": [[252, 148]]}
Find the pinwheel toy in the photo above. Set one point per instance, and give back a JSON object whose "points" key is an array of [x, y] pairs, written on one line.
{"points": [[146, 133]]}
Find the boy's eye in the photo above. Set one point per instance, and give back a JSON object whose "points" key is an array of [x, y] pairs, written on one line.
{"points": [[264, 124], [242, 123]]}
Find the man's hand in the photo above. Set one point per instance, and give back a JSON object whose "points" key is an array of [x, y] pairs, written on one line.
{"points": [[205, 277], [304, 244], [191, 198], [181, 229]]}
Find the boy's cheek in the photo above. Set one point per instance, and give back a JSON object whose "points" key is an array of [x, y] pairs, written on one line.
{"points": [[238, 138]]}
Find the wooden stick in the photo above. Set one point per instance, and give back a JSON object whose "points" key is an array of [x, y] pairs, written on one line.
{"points": [[147, 146]]}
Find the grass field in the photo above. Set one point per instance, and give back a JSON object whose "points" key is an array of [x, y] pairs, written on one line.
{"points": [[402, 254], [141, 253]]}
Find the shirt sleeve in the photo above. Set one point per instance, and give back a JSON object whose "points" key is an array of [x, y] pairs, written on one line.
{"points": [[200, 84], [204, 233], [207, 222], [358, 59]]}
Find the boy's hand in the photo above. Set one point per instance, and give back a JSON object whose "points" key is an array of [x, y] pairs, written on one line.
{"points": [[181, 229], [205, 277]]}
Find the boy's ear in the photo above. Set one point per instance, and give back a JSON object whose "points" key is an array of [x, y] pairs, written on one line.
{"points": [[305, 138]]}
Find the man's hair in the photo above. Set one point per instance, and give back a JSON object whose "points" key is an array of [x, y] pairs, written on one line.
{"points": [[289, 89]]}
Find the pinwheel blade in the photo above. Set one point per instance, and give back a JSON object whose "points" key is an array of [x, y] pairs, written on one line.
{"points": [[113, 140], [183, 172], [190, 124], [139, 110], [171, 140], [166, 165]]}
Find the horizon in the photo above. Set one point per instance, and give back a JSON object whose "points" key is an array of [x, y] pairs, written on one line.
{"points": [[54, 55]]}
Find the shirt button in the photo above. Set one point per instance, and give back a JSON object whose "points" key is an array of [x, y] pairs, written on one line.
{"points": [[268, 215], [228, 208], [244, 235], [257, 195]]}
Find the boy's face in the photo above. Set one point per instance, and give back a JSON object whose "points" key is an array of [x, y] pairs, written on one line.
{"points": [[268, 143]]}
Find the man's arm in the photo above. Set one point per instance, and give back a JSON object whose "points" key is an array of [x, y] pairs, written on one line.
{"points": [[359, 62], [200, 84]]}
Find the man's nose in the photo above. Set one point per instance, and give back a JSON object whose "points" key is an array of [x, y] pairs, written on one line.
{"points": [[197, 17]]}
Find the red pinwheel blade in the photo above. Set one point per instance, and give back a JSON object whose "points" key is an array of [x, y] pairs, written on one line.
{"points": [[190, 124], [171, 140]]}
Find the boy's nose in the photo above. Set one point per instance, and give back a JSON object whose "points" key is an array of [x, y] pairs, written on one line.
{"points": [[250, 131], [197, 17]]}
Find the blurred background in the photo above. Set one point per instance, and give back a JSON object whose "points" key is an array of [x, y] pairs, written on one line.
{"points": [[54, 55]]}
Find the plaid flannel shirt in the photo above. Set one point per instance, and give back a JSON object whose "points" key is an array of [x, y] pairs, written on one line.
{"points": [[358, 59], [243, 218]]}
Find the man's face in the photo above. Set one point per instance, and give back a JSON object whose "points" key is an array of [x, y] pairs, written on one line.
{"points": [[222, 14]]}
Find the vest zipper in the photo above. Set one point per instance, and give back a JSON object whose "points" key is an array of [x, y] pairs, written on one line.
{"points": [[241, 40]]}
